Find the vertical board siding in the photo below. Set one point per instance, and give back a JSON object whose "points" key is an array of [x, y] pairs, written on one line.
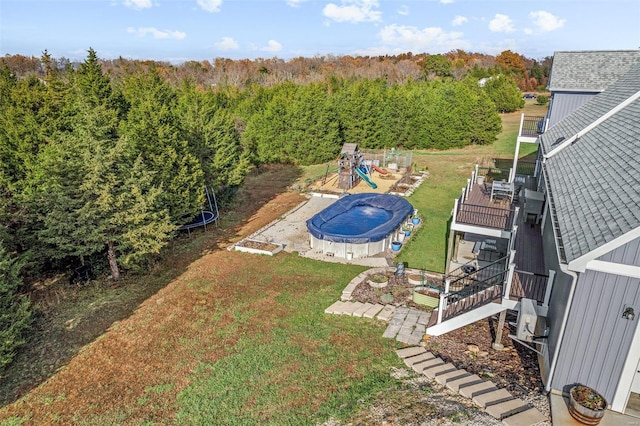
{"points": [[628, 254], [560, 290], [597, 338]]}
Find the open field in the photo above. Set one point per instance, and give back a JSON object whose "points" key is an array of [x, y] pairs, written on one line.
{"points": [[219, 337]]}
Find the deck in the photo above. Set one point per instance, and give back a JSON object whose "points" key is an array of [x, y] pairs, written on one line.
{"points": [[530, 279], [480, 210]]}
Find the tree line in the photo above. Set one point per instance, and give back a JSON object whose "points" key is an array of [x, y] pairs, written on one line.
{"points": [[529, 74], [104, 168]]}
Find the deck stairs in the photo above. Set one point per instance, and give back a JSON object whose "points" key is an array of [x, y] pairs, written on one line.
{"points": [[470, 295]]}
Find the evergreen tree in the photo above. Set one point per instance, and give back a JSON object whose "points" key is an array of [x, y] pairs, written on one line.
{"points": [[15, 311], [153, 130], [504, 93]]}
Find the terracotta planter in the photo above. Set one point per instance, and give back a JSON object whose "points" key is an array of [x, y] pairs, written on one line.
{"points": [[586, 415], [432, 299]]}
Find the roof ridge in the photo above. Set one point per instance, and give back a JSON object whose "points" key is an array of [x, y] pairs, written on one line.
{"points": [[594, 124]]}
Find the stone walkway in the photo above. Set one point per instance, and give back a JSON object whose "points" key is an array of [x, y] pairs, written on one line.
{"points": [[408, 325]]}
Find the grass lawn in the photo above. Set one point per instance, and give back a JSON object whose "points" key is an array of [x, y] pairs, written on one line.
{"points": [[238, 339]]}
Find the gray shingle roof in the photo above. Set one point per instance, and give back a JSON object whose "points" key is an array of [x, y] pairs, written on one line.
{"points": [[589, 71], [595, 182]]}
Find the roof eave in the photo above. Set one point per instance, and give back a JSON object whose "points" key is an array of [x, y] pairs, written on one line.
{"points": [[580, 264]]}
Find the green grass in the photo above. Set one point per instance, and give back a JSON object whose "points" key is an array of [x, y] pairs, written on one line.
{"points": [[305, 368]]}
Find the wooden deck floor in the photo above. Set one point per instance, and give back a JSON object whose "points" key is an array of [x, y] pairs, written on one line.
{"points": [[530, 279], [480, 210]]}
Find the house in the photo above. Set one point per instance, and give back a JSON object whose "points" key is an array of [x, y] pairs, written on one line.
{"points": [[577, 76], [561, 248]]}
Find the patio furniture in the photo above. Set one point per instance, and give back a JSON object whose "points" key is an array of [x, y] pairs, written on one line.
{"points": [[502, 188]]}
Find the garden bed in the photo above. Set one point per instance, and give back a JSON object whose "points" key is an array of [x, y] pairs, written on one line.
{"points": [[258, 247]]}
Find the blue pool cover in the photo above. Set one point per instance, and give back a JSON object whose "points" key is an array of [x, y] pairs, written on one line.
{"points": [[360, 218]]}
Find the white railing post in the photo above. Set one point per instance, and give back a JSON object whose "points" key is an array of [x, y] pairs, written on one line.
{"points": [[547, 292], [455, 209], [447, 283], [510, 273], [468, 189], [441, 307]]}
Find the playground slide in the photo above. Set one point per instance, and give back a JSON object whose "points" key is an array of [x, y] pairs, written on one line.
{"points": [[378, 169], [366, 178]]}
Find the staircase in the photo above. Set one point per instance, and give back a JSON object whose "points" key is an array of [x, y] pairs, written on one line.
{"points": [[499, 403], [470, 295]]}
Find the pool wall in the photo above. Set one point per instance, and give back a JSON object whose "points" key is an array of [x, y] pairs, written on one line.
{"points": [[375, 240]]}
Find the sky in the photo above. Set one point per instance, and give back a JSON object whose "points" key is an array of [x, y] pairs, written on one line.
{"points": [[184, 30]]}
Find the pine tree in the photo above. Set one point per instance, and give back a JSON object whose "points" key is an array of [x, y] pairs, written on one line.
{"points": [[15, 311]]}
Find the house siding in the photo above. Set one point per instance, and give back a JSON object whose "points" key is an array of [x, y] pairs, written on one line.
{"points": [[628, 254], [597, 339], [563, 104], [559, 294]]}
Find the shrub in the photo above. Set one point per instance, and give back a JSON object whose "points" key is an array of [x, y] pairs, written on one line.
{"points": [[542, 100]]}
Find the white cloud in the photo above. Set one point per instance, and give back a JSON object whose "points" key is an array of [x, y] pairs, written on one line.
{"points": [[430, 39], [459, 20], [403, 10], [272, 47], [155, 33], [227, 43], [545, 21], [353, 11], [446, 1], [138, 4], [295, 3], [210, 5], [501, 24]]}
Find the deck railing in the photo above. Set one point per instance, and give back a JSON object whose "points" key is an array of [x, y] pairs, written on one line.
{"points": [[530, 285], [532, 126], [474, 289], [485, 216]]}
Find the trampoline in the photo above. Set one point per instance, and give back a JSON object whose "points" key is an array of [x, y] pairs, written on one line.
{"points": [[205, 217], [202, 219], [359, 225]]}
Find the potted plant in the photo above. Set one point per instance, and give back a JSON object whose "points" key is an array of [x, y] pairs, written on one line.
{"points": [[586, 405], [378, 280], [407, 229], [415, 220]]}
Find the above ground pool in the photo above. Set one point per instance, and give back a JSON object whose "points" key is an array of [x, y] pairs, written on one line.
{"points": [[351, 225]]}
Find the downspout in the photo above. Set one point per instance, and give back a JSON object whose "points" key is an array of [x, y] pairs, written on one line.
{"points": [[563, 325]]}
